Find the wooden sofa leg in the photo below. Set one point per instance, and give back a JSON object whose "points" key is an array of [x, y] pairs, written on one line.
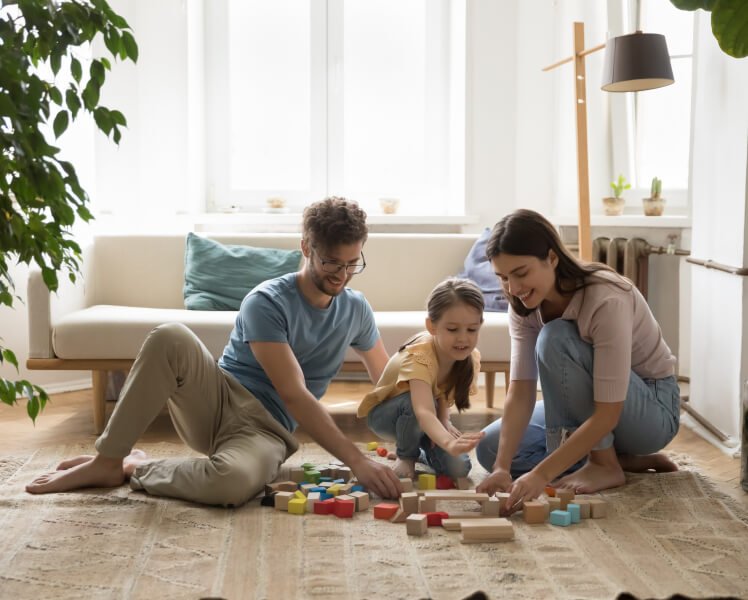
{"points": [[99, 400], [490, 383]]}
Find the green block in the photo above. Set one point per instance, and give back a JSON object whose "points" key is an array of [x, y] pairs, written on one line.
{"points": [[312, 476]]}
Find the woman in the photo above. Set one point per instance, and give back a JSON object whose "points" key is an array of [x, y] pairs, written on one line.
{"points": [[610, 396]]}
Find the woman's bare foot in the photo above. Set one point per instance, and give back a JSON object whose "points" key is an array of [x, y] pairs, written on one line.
{"points": [[405, 467], [602, 471], [69, 463], [642, 463], [98, 472]]}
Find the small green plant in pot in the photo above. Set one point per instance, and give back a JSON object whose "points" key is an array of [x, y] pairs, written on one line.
{"points": [[655, 204], [614, 205]]}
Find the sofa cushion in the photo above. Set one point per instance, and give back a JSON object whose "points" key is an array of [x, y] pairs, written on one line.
{"points": [[479, 269], [218, 276]]}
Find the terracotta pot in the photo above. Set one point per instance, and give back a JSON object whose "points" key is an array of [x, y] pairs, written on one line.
{"points": [[653, 207], [613, 206]]}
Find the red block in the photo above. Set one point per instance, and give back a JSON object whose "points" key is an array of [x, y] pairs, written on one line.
{"points": [[324, 507], [434, 519], [385, 510], [382, 451], [344, 508], [550, 491], [444, 482]]}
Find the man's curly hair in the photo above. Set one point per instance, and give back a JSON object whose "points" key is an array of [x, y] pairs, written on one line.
{"points": [[334, 221]]}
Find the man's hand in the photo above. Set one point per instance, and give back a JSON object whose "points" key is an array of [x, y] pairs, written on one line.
{"points": [[498, 481], [376, 478], [464, 443]]}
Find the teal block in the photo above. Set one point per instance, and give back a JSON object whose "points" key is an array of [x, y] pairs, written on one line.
{"points": [[561, 518], [575, 511]]}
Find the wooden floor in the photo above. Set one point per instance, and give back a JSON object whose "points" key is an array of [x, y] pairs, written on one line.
{"points": [[68, 418]]}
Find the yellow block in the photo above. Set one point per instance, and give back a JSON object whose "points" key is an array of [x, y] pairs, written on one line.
{"points": [[300, 495], [372, 445], [334, 489], [297, 506], [426, 481]]}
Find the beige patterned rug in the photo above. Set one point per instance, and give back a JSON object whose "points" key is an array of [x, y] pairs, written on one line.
{"points": [[664, 534]]}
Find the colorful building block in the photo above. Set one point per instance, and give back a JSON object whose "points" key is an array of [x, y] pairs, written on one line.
{"points": [[382, 451], [575, 512], [324, 507], [372, 446], [344, 508], [297, 506], [385, 510], [426, 481], [561, 518], [444, 482], [434, 519], [566, 496]]}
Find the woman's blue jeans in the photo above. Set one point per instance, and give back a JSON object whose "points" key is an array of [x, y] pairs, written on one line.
{"points": [[395, 420], [650, 417]]}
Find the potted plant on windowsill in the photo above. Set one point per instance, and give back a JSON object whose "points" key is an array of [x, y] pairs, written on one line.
{"points": [[614, 205], [655, 204]]}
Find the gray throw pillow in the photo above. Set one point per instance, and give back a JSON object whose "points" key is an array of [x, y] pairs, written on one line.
{"points": [[478, 269]]}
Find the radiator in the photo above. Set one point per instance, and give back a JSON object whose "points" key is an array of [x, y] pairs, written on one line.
{"points": [[630, 258]]}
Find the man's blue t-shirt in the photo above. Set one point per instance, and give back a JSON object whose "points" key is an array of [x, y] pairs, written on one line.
{"points": [[276, 311]]}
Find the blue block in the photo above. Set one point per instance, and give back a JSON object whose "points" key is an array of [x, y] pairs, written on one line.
{"points": [[321, 490], [358, 488], [561, 518], [339, 481], [321, 479], [325, 496], [575, 511]]}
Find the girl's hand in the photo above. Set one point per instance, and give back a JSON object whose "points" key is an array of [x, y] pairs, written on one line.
{"points": [[464, 443], [454, 432], [498, 481], [527, 487]]}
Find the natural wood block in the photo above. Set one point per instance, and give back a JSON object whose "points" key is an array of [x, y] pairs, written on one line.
{"points": [[311, 498], [486, 530], [454, 495], [297, 474], [584, 507], [399, 516], [426, 504], [566, 496], [362, 500], [406, 484], [491, 508], [464, 483], [409, 502], [534, 511], [343, 473], [598, 508], [465, 514], [308, 487], [554, 503], [282, 499], [416, 524], [281, 486], [503, 499]]}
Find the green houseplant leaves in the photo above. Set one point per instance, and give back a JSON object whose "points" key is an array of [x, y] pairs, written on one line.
{"points": [[729, 22], [40, 195]]}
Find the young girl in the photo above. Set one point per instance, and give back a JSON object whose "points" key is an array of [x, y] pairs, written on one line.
{"points": [[607, 375], [432, 371]]}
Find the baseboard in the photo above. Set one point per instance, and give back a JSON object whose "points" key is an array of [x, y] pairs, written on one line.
{"points": [[67, 386]]}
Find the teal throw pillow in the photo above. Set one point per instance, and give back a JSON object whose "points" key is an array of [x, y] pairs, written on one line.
{"points": [[218, 276]]}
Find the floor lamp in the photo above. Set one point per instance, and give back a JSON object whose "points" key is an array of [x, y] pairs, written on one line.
{"points": [[634, 62]]}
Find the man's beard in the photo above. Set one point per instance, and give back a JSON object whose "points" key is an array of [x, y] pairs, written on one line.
{"points": [[321, 284]]}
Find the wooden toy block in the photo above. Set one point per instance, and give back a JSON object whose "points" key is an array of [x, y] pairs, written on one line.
{"points": [[491, 508], [281, 486], [565, 496], [334, 489], [282, 499], [465, 514], [318, 488], [399, 516], [312, 476], [434, 519], [486, 530], [307, 466], [426, 481], [550, 491], [344, 509], [584, 507], [452, 524], [385, 510], [406, 484], [310, 500], [346, 488], [454, 495], [297, 474], [534, 511], [444, 482], [341, 497], [598, 508], [503, 499], [391, 456], [426, 504], [455, 520], [382, 451], [362, 500], [561, 518], [574, 510], [327, 484], [326, 496], [416, 524], [409, 502], [300, 495], [372, 446], [554, 503], [297, 506], [343, 473], [358, 488], [308, 487], [463, 483], [324, 471], [325, 507]]}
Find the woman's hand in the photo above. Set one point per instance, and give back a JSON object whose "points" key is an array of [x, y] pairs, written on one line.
{"points": [[498, 481], [527, 487], [464, 443]]}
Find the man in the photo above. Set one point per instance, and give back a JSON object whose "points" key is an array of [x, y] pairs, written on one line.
{"points": [[289, 340]]}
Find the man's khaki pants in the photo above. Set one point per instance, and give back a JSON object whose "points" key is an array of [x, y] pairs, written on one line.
{"points": [[212, 412]]}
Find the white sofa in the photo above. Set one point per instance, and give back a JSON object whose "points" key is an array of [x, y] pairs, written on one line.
{"points": [[132, 283]]}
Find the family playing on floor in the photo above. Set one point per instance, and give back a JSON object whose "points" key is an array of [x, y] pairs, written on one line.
{"points": [[610, 396]]}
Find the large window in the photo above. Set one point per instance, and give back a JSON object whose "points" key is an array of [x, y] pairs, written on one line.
{"points": [[313, 98], [658, 122]]}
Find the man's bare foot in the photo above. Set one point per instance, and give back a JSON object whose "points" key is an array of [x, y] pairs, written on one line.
{"points": [[98, 472], [602, 471], [69, 463], [642, 463], [132, 461], [405, 467]]}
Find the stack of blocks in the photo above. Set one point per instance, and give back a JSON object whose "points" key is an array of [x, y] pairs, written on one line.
{"points": [[563, 509]]}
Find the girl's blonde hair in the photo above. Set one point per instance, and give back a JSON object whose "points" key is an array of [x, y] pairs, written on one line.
{"points": [[444, 296]]}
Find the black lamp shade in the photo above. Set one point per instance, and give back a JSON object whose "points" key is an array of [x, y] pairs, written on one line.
{"points": [[635, 62]]}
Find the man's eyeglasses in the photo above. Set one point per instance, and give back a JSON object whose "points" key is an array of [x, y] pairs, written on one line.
{"points": [[331, 266]]}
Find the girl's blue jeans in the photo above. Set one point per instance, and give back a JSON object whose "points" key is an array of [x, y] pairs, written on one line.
{"points": [[650, 417], [395, 420]]}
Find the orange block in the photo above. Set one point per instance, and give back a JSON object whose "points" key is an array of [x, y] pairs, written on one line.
{"points": [[550, 491], [385, 510]]}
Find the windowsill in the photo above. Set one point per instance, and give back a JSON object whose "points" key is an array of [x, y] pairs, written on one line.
{"points": [[665, 221]]}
